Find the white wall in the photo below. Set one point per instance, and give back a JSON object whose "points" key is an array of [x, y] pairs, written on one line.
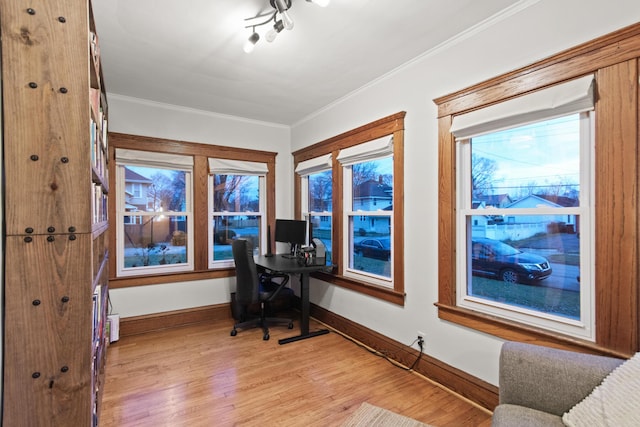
{"points": [[530, 31]]}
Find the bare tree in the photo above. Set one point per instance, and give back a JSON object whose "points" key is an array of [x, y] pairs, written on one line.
{"points": [[230, 192], [363, 172], [320, 192], [482, 171], [162, 191]]}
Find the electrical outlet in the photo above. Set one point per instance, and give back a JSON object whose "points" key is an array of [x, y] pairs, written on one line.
{"points": [[422, 335]]}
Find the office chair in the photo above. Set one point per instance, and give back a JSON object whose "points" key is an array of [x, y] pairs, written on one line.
{"points": [[252, 288]]}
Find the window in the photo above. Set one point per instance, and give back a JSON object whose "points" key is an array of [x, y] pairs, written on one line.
{"points": [[346, 187], [368, 210], [610, 192], [317, 199], [524, 224], [237, 207], [528, 160], [242, 181], [154, 213]]}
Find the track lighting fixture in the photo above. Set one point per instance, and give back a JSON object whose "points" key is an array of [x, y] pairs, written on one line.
{"points": [[279, 18]]}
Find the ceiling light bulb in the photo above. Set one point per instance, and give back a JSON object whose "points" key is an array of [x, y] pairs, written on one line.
{"points": [[271, 35], [251, 42], [286, 20], [273, 32], [321, 3]]}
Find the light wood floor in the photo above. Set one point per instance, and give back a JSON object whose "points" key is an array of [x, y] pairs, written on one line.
{"points": [[200, 376]]}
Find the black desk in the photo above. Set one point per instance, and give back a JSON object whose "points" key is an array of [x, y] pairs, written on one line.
{"points": [[280, 264]]}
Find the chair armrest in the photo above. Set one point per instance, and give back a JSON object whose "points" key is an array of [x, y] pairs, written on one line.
{"points": [[548, 379], [272, 283]]}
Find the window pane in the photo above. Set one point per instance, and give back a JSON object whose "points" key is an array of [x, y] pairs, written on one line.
{"points": [[532, 166], [152, 240], [321, 226], [370, 243], [154, 189], [373, 185], [320, 192], [227, 228], [236, 193], [528, 261]]}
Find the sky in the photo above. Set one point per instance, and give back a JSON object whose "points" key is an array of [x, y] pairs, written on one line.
{"points": [[546, 153]]}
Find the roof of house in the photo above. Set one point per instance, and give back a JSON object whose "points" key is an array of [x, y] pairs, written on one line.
{"points": [[565, 202], [373, 188], [493, 199], [130, 175]]}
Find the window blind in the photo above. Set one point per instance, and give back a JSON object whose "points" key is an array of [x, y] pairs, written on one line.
{"points": [[153, 159], [315, 165], [236, 167], [575, 96], [381, 147]]}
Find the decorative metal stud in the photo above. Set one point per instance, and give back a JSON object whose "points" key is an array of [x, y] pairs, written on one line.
{"points": [[51, 229], [64, 369], [34, 157], [28, 239], [51, 238], [31, 11], [64, 160], [62, 19], [65, 299], [36, 302], [72, 229], [63, 90], [28, 230], [33, 85], [72, 237], [35, 375]]}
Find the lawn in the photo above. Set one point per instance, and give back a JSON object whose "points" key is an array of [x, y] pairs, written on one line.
{"points": [[555, 301]]}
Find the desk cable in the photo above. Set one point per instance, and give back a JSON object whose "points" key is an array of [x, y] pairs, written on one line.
{"points": [[381, 354]]}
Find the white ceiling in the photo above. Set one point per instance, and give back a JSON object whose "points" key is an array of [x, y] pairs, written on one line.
{"points": [[189, 52]]}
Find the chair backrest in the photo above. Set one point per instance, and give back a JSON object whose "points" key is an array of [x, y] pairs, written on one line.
{"points": [[247, 281]]}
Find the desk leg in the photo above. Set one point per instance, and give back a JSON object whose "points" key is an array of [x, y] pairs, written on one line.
{"points": [[305, 313]]}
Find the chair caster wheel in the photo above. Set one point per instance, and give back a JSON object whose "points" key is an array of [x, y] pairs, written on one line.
{"points": [[265, 337], [290, 325], [234, 332]]}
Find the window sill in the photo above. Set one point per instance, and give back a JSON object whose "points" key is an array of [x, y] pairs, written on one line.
{"points": [[380, 292], [513, 331], [127, 282]]}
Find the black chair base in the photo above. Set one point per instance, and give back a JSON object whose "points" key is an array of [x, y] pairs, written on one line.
{"points": [[264, 325], [261, 322]]}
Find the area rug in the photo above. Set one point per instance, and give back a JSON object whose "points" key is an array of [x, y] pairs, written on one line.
{"points": [[368, 415]]}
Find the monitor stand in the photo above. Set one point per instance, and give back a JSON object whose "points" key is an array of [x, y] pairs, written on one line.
{"points": [[293, 252]]}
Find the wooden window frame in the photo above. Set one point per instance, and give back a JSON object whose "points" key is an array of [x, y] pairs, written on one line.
{"points": [[614, 61], [200, 153], [387, 126]]}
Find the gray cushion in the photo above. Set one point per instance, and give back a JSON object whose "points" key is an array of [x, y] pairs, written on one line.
{"points": [[548, 379], [506, 415]]}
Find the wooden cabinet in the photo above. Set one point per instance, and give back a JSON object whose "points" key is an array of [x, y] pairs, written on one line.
{"points": [[55, 278]]}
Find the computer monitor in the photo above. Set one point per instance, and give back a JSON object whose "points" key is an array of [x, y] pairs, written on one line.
{"points": [[291, 231]]}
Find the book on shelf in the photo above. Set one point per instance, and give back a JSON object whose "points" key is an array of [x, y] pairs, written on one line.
{"points": [[94, 99], [94, 49]]}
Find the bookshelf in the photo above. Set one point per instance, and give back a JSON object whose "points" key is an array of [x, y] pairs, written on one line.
{"points": [[55, 194]]}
